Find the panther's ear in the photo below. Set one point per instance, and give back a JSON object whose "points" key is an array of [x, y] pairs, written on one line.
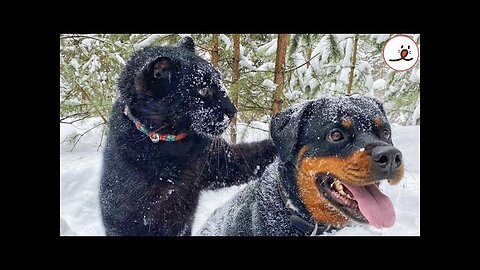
{"points": [[155, 76], [285, 129], [187, 43]]}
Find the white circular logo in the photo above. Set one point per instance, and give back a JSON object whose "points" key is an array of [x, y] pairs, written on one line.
{"points": [[400, 53]]}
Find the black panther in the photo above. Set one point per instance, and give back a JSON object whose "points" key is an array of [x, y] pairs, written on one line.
{"points": [[163, 145]]}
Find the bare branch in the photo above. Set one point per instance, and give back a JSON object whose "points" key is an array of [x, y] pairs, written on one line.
{"points": [[74, 115], [81, 135], [101, 138], [95, 38]]}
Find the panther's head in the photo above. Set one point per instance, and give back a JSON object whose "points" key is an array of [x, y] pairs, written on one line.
{"points": [[172, 89]]}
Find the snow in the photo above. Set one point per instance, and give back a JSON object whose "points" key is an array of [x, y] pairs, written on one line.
{"points": [[74, 63], [347, 60], [379, 38], [416, 114], [226, 40], [316, 61], [273, 48], [363, 67], [119, 59], [148, 41], [415, 76], [266, 66], [266, 47], [379, 84], [269, 84], [246, 64], [80, 176], [79, 181]]}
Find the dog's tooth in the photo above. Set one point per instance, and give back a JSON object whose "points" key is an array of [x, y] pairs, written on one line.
{"points": [[338, 185]]}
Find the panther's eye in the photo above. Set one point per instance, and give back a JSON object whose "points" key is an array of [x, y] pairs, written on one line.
{"points": [[204, 91], [386, 134], [335, 135]]}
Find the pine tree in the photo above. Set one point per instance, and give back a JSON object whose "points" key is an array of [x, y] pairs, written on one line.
{"points": [[214, 50], [316, 65], [282, 45], [234, 91], [352, 69]]}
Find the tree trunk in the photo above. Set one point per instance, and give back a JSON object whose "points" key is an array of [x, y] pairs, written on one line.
{"points": [[215, 50], [279, 79], [234, 88], [352, 68]]}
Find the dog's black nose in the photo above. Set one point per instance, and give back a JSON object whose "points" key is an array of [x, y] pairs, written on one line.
{"points": [[386, 160]]}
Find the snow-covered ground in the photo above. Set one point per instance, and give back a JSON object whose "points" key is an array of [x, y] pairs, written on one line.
{"points": [[80, 175]]}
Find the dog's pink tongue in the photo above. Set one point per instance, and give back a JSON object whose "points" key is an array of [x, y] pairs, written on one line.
{"points": [[374, 205]]}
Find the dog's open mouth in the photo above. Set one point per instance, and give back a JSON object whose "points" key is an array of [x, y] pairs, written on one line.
{"points": [[364, 204]]}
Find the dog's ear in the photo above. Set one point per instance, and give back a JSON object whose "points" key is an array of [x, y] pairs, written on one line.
{"points": [[285, 128], [155, 77], [187, 43]]}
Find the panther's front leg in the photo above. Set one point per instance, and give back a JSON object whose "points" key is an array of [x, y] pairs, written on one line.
{"points": [[236, 164]]}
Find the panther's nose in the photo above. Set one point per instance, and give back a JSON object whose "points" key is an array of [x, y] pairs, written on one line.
{"points": [[230, 111], [386, 160]]}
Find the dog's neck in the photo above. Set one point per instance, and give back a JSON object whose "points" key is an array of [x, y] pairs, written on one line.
{"points": [[299, 217]]}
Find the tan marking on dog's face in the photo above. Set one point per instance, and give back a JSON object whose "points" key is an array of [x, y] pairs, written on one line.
{"points": [[354, 170], [301, 152], [378, 122], [347, 122], [398, 176]]}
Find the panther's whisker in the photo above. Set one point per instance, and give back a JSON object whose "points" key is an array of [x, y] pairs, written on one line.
{"points": [[244, 159], [207, 160], [217, 148], [224, 147]]}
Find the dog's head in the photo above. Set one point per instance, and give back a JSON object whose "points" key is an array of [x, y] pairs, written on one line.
{"points": [[171, 87], [340, 148]]}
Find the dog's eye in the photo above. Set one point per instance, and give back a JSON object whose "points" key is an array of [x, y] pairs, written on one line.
{"points": [[386, 134], [335, 136]]}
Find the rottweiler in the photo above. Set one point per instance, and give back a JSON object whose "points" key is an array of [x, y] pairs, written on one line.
{"points": [[333, 154]]}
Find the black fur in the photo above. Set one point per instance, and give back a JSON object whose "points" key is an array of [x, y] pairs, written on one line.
{"points": [[260, 209], [153, 188]]}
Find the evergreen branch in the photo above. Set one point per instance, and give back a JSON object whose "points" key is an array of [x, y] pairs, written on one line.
{"points": [[294, 44], [203, 48], [90, 99], [69, 93]]}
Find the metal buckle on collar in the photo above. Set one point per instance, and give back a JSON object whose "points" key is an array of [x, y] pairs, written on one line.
{"points": [[154, 137]]}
